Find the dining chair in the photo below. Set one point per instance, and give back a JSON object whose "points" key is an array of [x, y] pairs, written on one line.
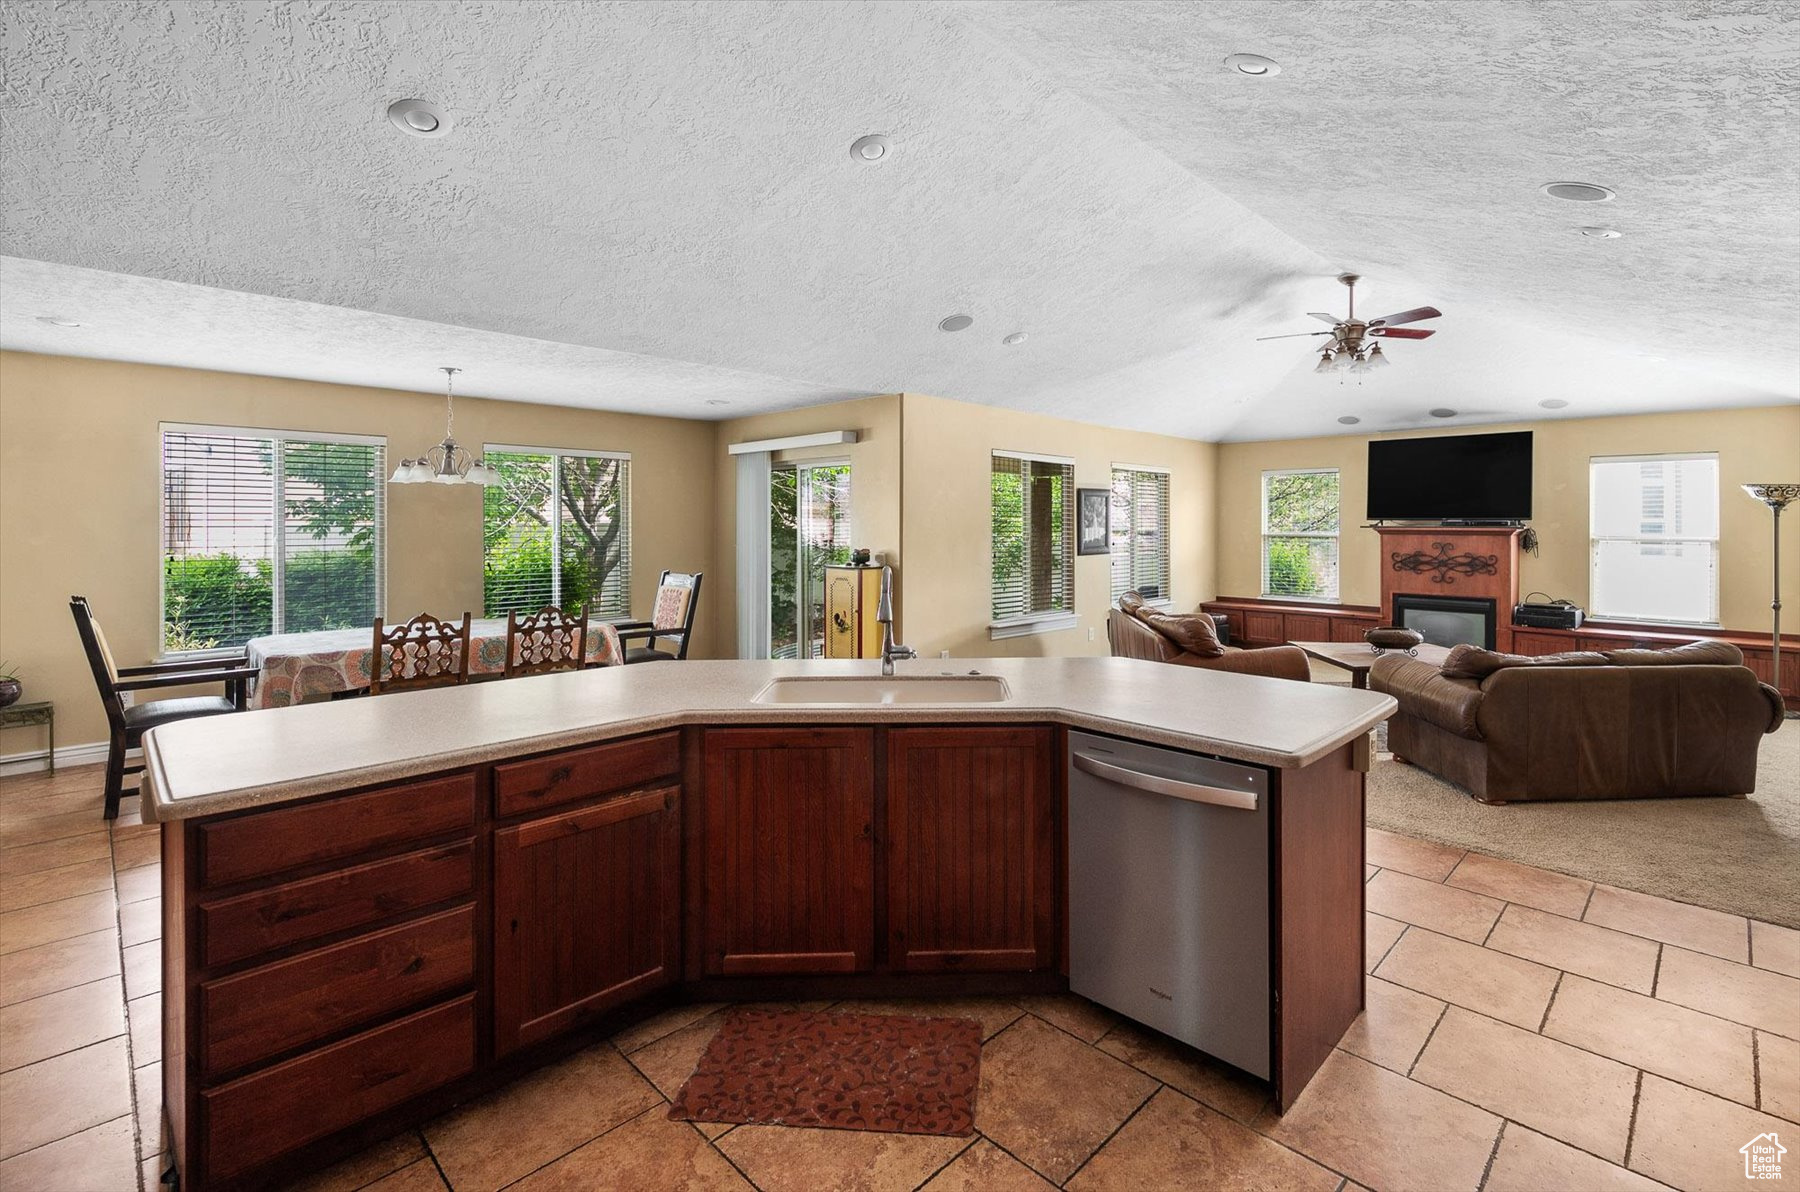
{"points": [[544, 641], [424, 652], [127, 724], [672, 616]]}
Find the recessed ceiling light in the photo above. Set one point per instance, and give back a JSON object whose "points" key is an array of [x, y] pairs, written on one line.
{"points": [[1442, 412], [956, 323], [1349, 420], [419, 118], [873, 147], [1254, 65], [1578, 192], [1553, 403], [56, 322], [1017, 337], [1600, 233], [717, 401]]}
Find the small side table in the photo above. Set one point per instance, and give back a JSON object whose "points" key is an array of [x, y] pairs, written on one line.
{"points": [[42, 712]]}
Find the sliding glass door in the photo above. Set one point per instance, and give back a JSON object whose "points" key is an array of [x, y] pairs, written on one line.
{"points": [[809, 529]]}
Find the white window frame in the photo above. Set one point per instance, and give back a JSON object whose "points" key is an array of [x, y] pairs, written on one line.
{"points": [[1054, 620], [1167, 599], [1336, 536], [1594, 540], [557, 454], [278, 561]]}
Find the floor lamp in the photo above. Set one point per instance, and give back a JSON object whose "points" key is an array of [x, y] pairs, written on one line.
{"points": [[1776, 497]]}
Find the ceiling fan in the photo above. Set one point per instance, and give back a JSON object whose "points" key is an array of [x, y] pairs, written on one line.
{"points": [[1346, 351]]}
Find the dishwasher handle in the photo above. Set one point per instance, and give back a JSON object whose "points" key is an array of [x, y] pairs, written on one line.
{"points": [[1156, 784]]}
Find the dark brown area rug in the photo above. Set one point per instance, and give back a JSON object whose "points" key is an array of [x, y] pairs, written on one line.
{"points": [[838, 1071]]}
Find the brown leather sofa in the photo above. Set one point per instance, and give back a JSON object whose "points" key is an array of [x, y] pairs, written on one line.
{"points": [[1626, 724], [1135, 630]]}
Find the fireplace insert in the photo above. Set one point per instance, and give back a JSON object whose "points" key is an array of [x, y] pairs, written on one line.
{"points": [[1447, 620]]}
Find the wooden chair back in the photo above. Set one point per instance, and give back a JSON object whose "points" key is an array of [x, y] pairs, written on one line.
{"points": [[100, 659], [424, 652], [677, 597], [547, 640]]}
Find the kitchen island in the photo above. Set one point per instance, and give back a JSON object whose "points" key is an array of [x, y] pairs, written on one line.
{"points": [[376, 908]]}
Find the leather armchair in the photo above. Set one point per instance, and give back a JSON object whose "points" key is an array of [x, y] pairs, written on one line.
{"points": [[1131, 638]]}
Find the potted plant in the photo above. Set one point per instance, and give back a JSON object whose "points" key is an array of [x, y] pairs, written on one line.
{"points": [[10, 687]]}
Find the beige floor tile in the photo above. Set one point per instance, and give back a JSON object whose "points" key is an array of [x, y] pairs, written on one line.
{"points": [[665, 1022], [54, 885], [364, 1167], [1233, 1093], [1778, 1062], [18, 832], [62, 1021], [143, 1018], [1420, 858], [1444, 909], [1776, 948], [98, 1159], [63, 964], [1582, 1099], [1049, 1100], [1692, 927], [994, 1014], [1753, 996], [147, 1084], [57, 921], [129, 852], [1690, 1139], [54, 854], [1477, 978], [649, 1151], [140, 922], [135, 885], [1510, 881], [670, 1060], [1178, 1145], [154, 1167], [143, 969], [495, 1140], [419, 1176], [63, 1095], [1077, 1015], [783, 1159], [1370, 871], [1526, 1161], [1385, 1131], [1657, 1036], [1379, 934], [984, 1167], [1394, 1024], [1628, 961]]}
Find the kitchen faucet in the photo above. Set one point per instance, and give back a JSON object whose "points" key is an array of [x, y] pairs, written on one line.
{"points": [[884, 612]]}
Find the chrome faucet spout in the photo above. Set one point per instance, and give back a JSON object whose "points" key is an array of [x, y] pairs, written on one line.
{"points": [[884, 613]]}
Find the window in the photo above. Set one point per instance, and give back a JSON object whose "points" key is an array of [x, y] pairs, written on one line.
{"points": [[556, 530], [268, 532], [1034, 543], [1300, 534], [809, 529], [1140, 533], [1654, 524]]}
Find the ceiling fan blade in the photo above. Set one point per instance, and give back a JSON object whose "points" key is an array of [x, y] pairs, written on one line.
{"points": [[1295, 335], [1324, 318], [1402, 332], [1407, 316]]}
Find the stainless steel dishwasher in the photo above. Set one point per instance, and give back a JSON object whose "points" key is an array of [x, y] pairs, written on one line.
{"points": [[1169, 893]]}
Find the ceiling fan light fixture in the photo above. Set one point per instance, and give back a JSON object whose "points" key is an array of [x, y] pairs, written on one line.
{"points": [[1376, 359], [1325, 364], [1359, 363]]}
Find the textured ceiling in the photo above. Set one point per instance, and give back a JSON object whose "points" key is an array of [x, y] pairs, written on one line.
{"points": [[646, 206]]}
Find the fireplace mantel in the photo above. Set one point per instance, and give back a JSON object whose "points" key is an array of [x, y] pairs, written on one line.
{"points": [[1480, 562]]}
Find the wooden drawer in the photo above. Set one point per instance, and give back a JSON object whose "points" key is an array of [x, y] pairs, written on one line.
{"points": [[268, 842], [260, 1117], [574, 774], [288, 1004], [233, 929]]}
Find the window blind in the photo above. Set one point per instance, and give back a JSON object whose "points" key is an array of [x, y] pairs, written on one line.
{"points": [[1033, 536], [1300, 534], [556, 530], [1654, 528], [1140, 533], [268, 532]]}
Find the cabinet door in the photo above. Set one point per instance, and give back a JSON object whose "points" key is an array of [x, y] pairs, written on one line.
{"points": [[971, 868], [790, 869], [586, 913]]}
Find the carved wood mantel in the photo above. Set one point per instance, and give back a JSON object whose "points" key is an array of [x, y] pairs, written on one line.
{"points": [[1480, 562]]}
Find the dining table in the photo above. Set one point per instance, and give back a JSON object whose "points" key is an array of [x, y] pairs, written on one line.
{"points": [[298, 668]]}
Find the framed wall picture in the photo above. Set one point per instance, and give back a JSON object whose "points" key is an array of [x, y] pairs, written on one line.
{"points": [[1093, 530]]}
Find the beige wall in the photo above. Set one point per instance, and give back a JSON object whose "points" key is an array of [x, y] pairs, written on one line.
{"points": [[80, 501], [1753, 445]]}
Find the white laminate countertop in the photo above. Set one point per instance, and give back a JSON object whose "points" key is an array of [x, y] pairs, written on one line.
{"points": [[254, 759]]}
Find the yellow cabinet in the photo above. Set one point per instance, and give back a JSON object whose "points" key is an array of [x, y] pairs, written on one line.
{"points": [[851, 597]]}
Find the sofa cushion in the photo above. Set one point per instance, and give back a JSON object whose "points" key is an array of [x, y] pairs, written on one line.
{"points": [[1194, 633], [1473, 662], [1429, 694], [1700, 653]]}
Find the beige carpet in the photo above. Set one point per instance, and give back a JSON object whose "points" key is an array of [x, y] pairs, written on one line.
{"points": [[1737, 855]]}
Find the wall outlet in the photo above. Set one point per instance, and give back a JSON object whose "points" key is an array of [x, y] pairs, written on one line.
{"points": [[943, 653], [1090, 633]]}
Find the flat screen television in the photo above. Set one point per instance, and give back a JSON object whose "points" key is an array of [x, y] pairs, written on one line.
{"points": [[1451, 478]]}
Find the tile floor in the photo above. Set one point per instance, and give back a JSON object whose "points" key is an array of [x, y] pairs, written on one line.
{"points": [[1525, 1031]]}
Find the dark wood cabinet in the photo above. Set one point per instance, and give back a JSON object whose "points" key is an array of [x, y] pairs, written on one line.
{"points": [[970, 839], [587, 913], [788, 856]]}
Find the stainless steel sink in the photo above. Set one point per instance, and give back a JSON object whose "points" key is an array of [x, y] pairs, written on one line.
{"points": [[885, 689]]}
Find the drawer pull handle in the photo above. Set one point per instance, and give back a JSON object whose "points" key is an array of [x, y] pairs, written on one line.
{"points": [[417, 964], [1156, 784]]}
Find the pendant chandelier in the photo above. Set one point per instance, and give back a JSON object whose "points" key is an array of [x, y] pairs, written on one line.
{"points": [[447, 463]]}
